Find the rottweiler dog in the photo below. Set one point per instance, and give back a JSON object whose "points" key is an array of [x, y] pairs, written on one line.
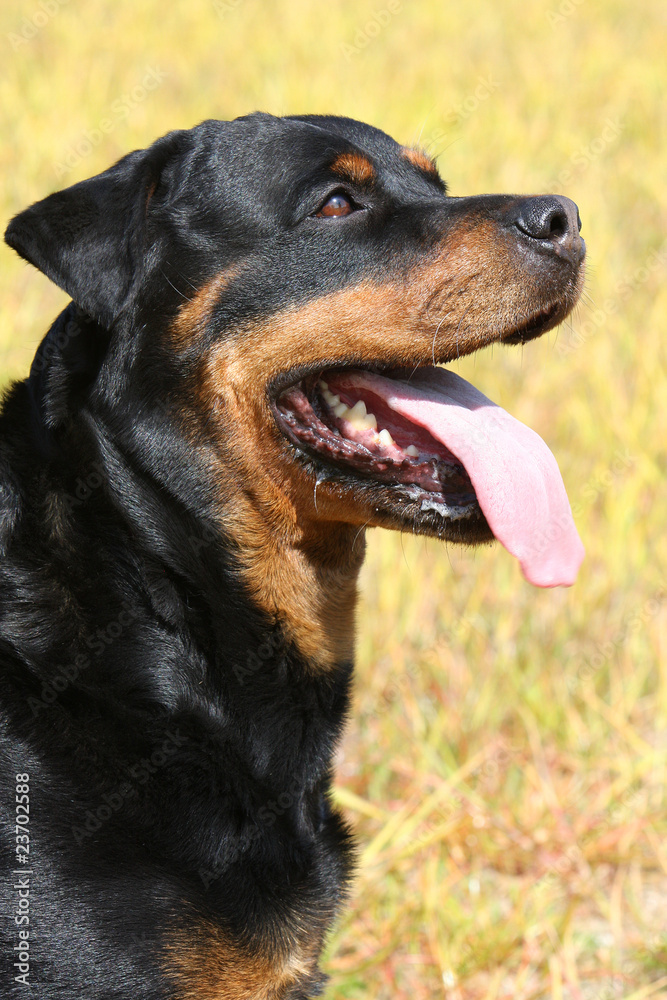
{"points": [[246, 378]]}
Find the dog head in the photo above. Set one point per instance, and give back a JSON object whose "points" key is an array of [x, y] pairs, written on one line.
{"points": [[268, 298]]}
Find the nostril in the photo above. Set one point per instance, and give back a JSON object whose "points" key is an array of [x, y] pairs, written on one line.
{"points": [[557, 224]]}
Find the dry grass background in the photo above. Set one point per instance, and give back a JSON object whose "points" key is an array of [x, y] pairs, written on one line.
{"points": [[505, 763]]}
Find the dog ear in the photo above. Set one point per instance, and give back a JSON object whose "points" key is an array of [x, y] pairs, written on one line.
{"points": [[90, 238]]}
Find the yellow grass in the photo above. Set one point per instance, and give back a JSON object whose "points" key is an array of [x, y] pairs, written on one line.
{"points": [[505, 764]]}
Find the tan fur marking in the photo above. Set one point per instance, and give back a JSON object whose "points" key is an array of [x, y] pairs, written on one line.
{"points": [[300, 544], [194, 314], [301, 571], [206, 965], [355, 168], [314, 600], [420, 159]]}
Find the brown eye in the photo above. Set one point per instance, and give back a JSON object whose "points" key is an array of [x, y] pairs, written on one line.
{"points": [[337, 205]]}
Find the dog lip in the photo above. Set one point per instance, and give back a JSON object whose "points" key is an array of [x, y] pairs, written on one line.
{"points": [[309, 375], [537, 324], [429, 475]]}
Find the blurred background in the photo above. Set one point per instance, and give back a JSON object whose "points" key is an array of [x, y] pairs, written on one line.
{"points": [[505, 762]]}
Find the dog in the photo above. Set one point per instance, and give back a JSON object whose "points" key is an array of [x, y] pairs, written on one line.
{"points": [[246, 378]]}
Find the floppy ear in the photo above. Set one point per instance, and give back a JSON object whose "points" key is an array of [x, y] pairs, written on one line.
{"points": [[89, 238]]}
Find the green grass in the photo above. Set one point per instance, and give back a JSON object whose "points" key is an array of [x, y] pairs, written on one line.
{"points": [[505, 763]]}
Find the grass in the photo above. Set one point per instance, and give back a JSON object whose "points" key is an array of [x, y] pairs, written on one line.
{"points": [[506, 759]]}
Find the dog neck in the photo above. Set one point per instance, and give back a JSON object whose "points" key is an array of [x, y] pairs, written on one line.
{"points": [[305, 580]]}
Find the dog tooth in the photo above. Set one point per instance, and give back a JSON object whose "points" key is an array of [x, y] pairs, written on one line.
{"points": [[385, 438], [330, 398], [341, 410], [323, 384], [412, 451], [367, 423], [359, 409]]}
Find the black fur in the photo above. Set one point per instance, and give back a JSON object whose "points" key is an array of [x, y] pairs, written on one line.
{"points": [[178, 745]]}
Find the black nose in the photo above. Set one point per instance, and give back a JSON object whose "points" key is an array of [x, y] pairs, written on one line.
{"points": [[553, 221]]}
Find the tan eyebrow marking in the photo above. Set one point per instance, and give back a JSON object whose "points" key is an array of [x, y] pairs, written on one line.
{"points": [[421, 160], [354, 167]]}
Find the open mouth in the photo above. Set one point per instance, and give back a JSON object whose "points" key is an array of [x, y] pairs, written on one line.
{"points": [[337, 418], [437, 443]]}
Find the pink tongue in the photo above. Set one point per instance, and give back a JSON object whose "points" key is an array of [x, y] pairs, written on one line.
{"points": [[515, 476]]}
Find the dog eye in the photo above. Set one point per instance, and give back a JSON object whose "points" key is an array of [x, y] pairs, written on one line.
{"points": [[337, 205]]}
